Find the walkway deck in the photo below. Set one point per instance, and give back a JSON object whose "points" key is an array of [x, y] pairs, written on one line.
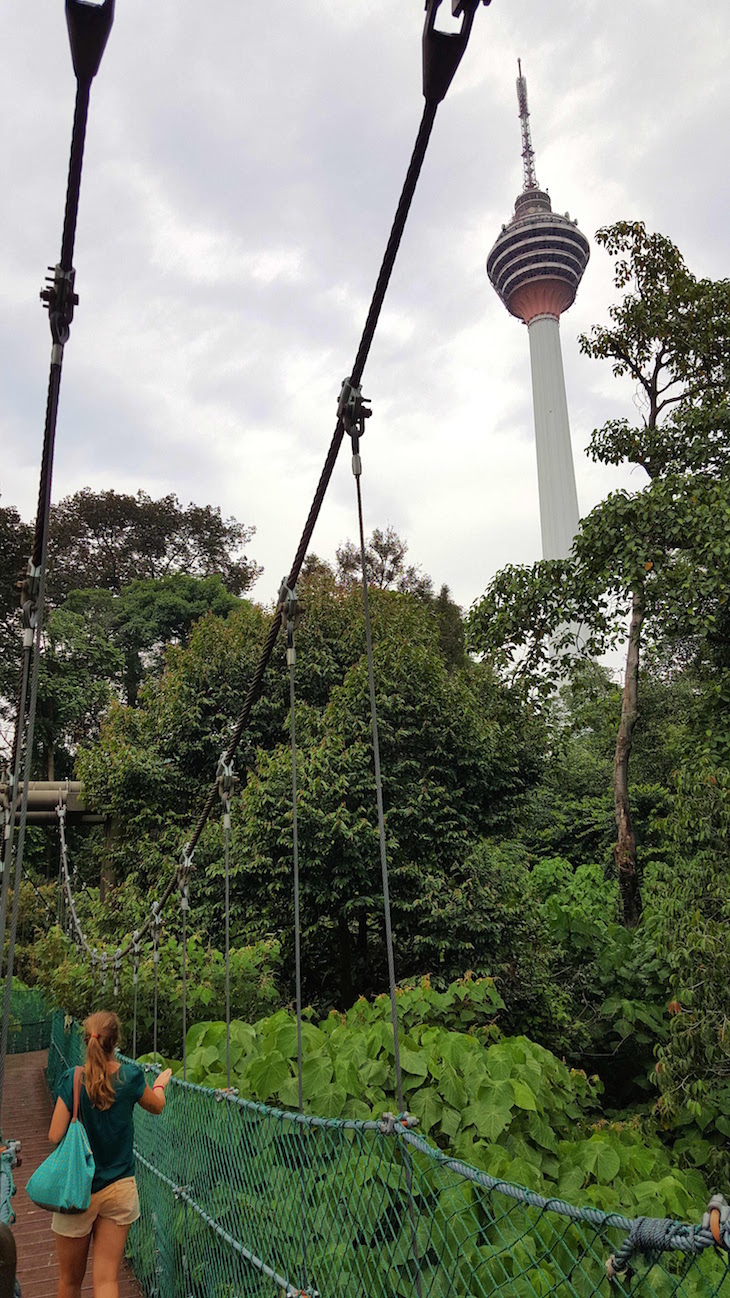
{"points": [[26, 1115]]}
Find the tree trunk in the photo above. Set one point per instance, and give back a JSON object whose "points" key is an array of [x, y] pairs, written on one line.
{"points": [[625, 850]]}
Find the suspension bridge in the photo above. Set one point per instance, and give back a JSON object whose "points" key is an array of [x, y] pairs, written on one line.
{"points": [[240, 1198]]}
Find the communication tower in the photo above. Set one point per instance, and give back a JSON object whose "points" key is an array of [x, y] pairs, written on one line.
{"points": [[536, 266]]}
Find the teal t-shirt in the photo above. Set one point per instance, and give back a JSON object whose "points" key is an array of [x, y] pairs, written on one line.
{"points": [[110, 1131]]}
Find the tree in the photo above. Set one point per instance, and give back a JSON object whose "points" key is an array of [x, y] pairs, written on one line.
{"points": [[146, 616], [105, 540], [385, 556], [652, 555], [453, 770]]}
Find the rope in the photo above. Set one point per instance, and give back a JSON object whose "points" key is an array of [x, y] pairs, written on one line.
{"points": [[135, 982], [27, 771], [394, 240], [366, 340], [9, 828], [356, 433], [225, 789]]}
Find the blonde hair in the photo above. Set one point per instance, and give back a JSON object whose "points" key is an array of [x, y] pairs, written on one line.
{"points": [[101, 1034]]}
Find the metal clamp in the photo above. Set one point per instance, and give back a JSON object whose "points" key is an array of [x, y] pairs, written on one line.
{"points": [[59, 299], [156, 922], [291, 611], [136, 948], [226, 781], [353, 412], [443, 51]]}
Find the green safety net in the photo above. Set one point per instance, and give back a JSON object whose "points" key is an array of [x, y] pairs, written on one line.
{"points": [[241, 1200], [30, 1020]]}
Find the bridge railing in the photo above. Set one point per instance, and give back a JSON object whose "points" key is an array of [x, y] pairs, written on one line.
{"points": [[241, 1200]]}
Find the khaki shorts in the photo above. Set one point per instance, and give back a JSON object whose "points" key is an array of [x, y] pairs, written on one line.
{"points": [[117, 1202]]}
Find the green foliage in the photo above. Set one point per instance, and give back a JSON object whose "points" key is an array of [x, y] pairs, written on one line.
{"points": [[106, 540], [452, 770], [509, 1108], [55, 967], [693, 1064]]}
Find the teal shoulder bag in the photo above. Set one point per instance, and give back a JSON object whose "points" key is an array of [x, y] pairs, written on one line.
{"points": [[62, 1183]]}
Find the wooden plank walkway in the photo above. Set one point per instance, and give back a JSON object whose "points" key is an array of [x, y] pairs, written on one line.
{"points": [[26, 1115]]}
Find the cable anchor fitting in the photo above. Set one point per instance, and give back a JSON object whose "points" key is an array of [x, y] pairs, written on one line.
{"points": [[443, 51], [226, 781], [156, 922], [59, 299], [291, 615], [353, 412], [136, 948]]}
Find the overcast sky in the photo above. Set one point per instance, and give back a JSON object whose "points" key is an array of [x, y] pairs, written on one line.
{"points": [[243, 163]]}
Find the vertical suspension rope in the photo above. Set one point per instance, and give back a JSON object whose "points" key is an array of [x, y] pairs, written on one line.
{"points": [[156, 921], [225, 779], [288, 599], [351, 399], [356, 428], [135, 982]]}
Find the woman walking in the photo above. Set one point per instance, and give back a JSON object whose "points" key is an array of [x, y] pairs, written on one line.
{"points": [[109, 1092]]}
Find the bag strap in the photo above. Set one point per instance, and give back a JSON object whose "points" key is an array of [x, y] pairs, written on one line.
{"points": [[77, 1092]]}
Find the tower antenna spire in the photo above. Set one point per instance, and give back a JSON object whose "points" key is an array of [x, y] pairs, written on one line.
{"points": [[528, 153]]}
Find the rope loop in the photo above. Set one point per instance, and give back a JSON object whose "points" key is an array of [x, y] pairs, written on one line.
{"points": [[716, 1220]]}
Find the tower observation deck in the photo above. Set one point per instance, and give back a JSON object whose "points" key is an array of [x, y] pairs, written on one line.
{"points": [[536, 266]]}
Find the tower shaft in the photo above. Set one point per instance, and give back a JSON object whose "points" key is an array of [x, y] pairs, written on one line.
{"points": [[555, 473]]}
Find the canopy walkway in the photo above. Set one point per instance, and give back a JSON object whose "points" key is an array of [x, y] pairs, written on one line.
{"points": [[240, 1200]]}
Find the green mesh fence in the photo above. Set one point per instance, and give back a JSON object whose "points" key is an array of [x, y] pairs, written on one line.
{"points": [[30, 1020], [242, 1200]]}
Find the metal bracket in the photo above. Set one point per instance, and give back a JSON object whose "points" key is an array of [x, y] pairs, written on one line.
{"points": [[291, 611], [89, 26], [353, 412], [59, 300], [443, 51]]}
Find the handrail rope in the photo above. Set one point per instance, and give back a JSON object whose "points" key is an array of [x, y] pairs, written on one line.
{"points": [[181, 1193]]}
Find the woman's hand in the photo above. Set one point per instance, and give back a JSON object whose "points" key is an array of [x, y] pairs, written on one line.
{"points": [[162, 1079]]}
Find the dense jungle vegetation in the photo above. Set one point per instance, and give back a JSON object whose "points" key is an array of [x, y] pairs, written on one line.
{"points": [[558, 842]]}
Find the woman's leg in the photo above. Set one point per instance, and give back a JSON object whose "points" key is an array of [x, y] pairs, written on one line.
{"points": [[109, 1241], [72, 1253]]}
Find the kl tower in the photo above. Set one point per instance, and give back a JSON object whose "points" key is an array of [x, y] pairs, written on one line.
{"points": [[536, 266]]}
